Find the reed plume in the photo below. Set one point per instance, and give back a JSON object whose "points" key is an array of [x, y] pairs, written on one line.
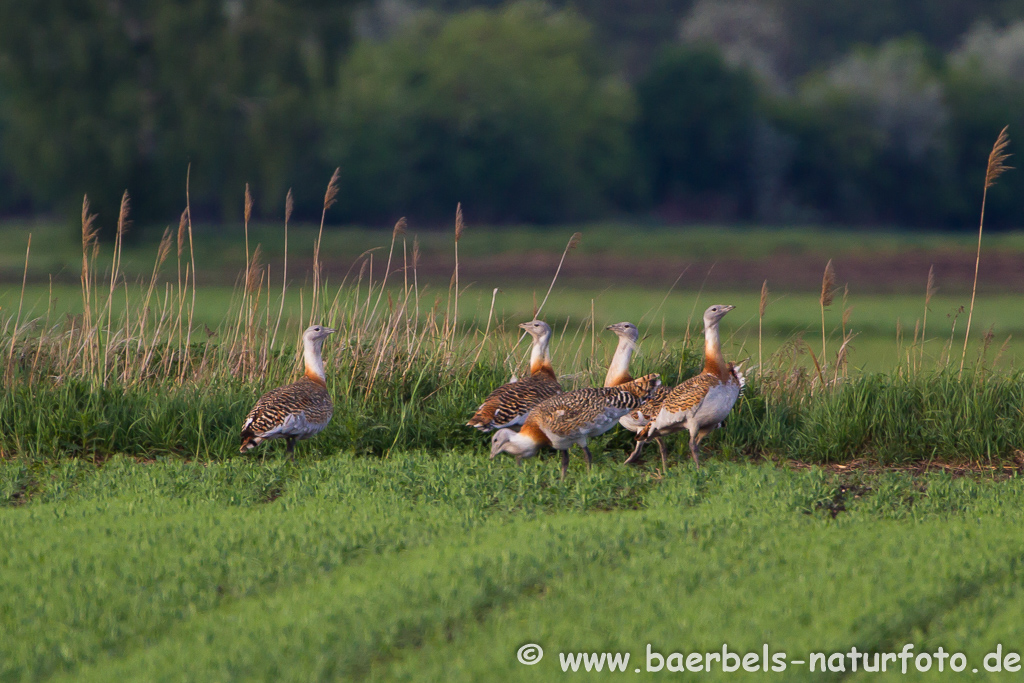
{"points": [[828, 283], [929, 292], [330, 197], [993, 170]]}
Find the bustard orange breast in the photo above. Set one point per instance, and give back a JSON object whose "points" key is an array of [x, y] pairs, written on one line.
{"points": [[508, 405], [700, 404], [296, 411], [573, 418]]}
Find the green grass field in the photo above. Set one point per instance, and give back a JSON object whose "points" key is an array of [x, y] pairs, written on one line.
{"points": [[140, 546], [421, 567]]}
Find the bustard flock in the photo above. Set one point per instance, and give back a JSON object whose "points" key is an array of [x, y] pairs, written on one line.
{"points": [[533, 412]]}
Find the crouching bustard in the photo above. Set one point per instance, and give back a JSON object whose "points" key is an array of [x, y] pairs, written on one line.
{"points": [[508, 405], [296, 411], [700, 404], [572, 418]]}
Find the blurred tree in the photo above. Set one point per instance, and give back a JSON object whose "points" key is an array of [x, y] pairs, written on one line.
{"points": [[107, 95], [748, 34], [873, 143], [507, 111], [985, 91], [695, 131]]}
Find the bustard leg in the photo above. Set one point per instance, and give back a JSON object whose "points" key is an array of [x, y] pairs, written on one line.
{"points": [[664, 453], [290, 445], [565, 462], [588, 456], [636, 457], [695, 450]]}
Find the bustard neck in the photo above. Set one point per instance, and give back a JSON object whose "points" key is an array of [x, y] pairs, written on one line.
{"points": [[618, 369], [540, 356], [312, 354], [714, 363]]}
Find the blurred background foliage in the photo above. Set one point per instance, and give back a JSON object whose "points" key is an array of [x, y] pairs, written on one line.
{"points": [[865, 112]]}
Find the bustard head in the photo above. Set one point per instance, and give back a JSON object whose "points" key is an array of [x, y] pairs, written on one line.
{"points": [[538, 329], [715, 313], [625, 330], [315, 334], [510, 441]]}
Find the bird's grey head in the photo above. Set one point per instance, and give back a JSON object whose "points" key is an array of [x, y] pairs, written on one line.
{"points": [[500, 441], [316, 333], [538, 329], [625, 330], [715, 313]]}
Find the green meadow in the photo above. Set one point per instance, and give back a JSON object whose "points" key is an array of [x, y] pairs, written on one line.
{"points": [[866, 496], [425, 567]]}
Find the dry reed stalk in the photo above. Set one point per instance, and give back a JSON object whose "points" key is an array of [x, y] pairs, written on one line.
{"points": [[330, 197], [573, 242], [993, 170], [1002, 350], [289, 206], [181, 292], [929, 292], [89, 242], [122, 228], [396, 232], [415, 272], [17, 323], [192, 259], [760, 320], [460, 226], [487, 329], [828, 283]]}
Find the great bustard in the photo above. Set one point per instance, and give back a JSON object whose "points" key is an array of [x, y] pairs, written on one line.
{"points": [[296, 411], [701, 403], [572, 418], [508, 405], [618, 373]]}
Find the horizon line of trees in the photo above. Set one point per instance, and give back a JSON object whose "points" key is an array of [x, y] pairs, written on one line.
{"points": [[518, 111]]}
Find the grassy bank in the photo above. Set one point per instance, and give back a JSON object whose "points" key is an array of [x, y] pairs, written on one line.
{"points": [[418, 567], [135, 369]]}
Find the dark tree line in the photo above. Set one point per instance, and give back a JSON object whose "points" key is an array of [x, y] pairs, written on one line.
{"points": [[772, 111]]}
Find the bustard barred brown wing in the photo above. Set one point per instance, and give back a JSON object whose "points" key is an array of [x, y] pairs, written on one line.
{"points": [[508, 404], [297, 410], [584, 409]]}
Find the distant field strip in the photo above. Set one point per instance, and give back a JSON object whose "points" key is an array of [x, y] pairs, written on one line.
{"points": [[439, 568]]}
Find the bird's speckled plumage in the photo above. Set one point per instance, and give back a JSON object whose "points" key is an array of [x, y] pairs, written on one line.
{"points": [[573, 418], [296, 411], [698, 405], [508, 405]]}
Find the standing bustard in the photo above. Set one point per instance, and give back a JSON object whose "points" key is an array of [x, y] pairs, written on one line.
{"points": [[508, 405], [572, 418], [701, 403], [296, 411]]}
